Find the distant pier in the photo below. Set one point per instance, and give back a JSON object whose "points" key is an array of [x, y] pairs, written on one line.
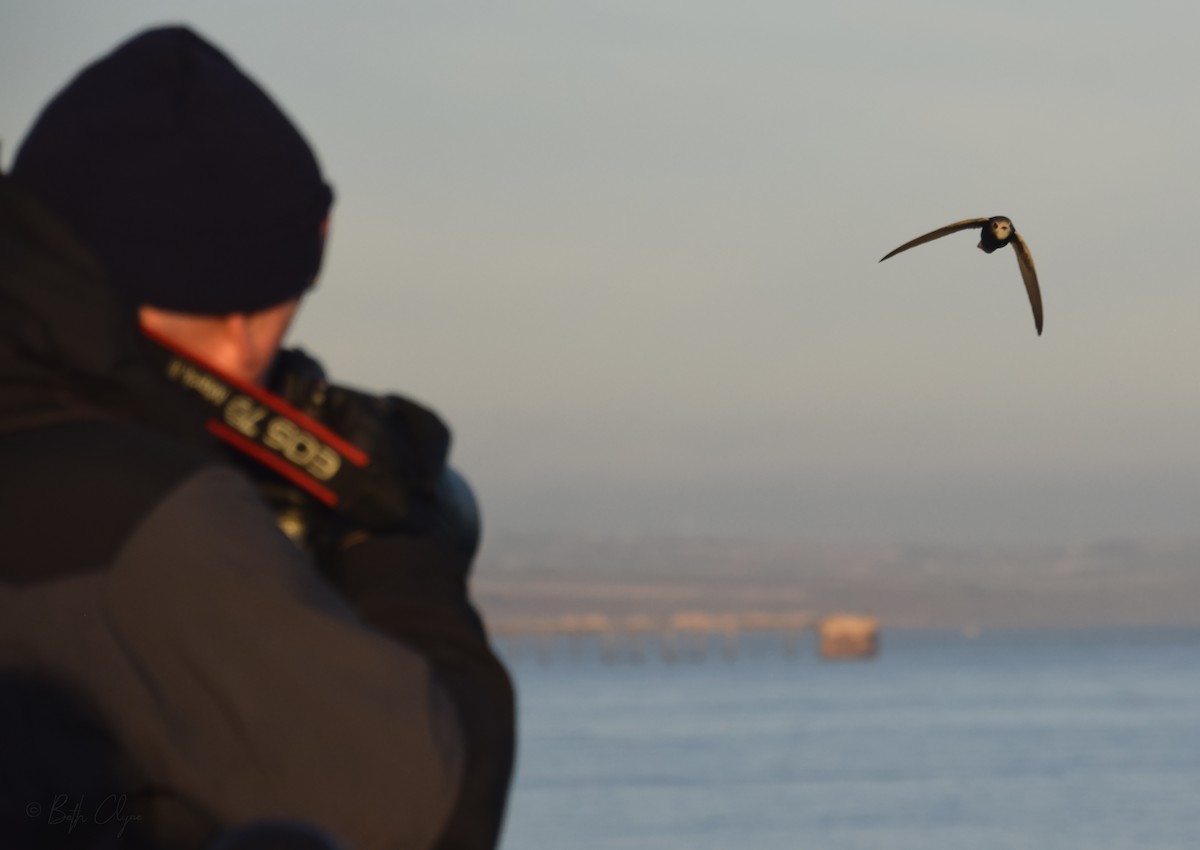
{"points": [[691, 635]]}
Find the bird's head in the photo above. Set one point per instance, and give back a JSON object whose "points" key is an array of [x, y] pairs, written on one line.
{"points": [[1001, 227]]}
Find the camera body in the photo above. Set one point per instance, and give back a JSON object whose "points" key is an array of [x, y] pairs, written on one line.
{"points": [[405, 485]]}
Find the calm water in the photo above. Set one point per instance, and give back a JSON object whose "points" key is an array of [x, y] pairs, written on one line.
{"points": [[1046, 740]]}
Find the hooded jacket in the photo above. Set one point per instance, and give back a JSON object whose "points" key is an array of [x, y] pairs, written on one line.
{"points": [[142, 575]]}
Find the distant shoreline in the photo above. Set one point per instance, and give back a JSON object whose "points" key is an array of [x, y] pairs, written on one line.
{"points": [[1109, 585]]}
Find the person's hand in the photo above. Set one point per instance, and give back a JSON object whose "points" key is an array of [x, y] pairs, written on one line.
{"points": [[404, 486]]}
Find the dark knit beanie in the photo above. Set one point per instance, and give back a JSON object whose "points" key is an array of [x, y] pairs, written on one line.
{"points": [[181, 174]]}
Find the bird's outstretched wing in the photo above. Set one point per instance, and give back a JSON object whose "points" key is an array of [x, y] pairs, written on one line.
{"points": [[939, 233], [1029, 275]]}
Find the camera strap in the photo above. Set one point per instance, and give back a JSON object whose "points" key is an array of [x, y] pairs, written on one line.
{"points": [[264, 427]]}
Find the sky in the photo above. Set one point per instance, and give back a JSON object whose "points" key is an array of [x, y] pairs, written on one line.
{"points": [[629, 250]]}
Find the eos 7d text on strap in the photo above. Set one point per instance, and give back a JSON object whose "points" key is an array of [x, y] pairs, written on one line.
{"points": [[267, 428]]}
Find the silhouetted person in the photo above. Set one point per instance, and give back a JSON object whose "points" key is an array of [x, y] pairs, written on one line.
{"points": [[164, 647]]}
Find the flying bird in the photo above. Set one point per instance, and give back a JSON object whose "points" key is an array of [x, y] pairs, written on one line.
{"points": [[996, 232]]}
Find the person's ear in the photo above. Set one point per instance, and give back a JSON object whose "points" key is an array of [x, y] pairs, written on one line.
{"points": [[239, 351]]}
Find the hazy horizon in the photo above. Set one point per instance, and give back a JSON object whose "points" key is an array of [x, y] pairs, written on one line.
{"points": [[630, 252]]}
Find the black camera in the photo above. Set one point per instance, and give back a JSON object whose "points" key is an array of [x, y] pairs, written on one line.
{"points": [[368, 464]]}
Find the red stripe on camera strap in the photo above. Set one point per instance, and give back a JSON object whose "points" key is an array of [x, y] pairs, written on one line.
{"points": [[248, 418], [268, 458]]}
